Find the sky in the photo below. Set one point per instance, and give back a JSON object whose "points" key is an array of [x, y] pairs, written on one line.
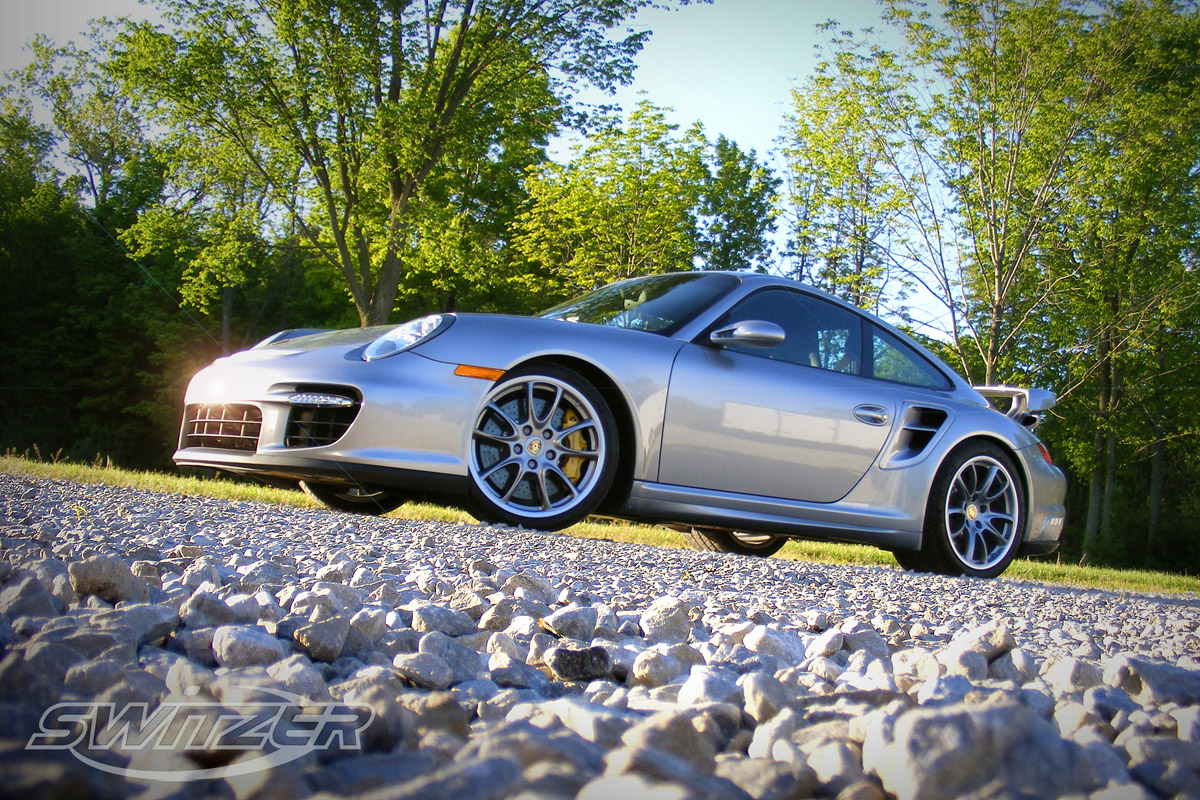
{"points": [[731, 65]]}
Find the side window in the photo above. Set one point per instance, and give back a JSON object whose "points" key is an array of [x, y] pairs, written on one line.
{"points": [[818, 333], [893, 360], [839, 335]]}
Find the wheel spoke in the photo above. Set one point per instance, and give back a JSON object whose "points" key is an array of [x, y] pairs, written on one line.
{"points": [[970, 554], [498, 411], [960, 488], [992, 476], [543, 490], [491, 437], [492, 470], [551, 407], [529, 415], [566, 482], [561, 436], [589, 455], [512, 487], [988, 519]]}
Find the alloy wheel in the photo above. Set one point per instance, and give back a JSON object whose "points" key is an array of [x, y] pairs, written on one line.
{"points": [[538, 447], [982, 509]]}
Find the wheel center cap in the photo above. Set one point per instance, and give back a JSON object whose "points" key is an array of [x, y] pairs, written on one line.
{"points": [[972, 511], [534, 447]]}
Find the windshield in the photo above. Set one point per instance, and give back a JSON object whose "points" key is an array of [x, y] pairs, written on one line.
{"points": [[659, 303]]}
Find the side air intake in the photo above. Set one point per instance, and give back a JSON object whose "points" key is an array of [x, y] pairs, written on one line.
{"points": [[918, 428]]}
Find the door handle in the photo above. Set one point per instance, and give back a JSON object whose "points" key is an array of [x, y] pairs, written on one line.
{"points": [[871, 414]]}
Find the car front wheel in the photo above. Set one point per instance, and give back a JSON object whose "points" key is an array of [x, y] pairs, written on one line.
{"points": [[543, 449], [975, 515]]}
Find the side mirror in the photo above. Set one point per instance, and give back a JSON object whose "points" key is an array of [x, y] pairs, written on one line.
{"points": [[751, 333]]}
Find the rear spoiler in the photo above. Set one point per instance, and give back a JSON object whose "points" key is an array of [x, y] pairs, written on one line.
{"points": [[1026, 406]]}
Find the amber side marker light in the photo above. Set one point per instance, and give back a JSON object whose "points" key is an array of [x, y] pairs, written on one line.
{"points": [[484, 373], [1045, 454]]}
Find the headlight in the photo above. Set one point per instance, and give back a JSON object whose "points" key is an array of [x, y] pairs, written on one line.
{"points": [[401, 338]]}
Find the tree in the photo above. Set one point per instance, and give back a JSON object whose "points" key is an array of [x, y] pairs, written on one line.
{"points": [[844, 195], [967, 137], [1127, 236], [361, 103], [98, 127], [643, 197], [1022, 84], [625, 205], [737, 209]]}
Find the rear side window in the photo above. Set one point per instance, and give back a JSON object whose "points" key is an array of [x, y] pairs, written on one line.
{"points": [[893, 360]]}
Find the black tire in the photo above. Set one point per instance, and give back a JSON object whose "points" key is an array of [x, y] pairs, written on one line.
{"points": [[354, 499], [746, 544], [975, 515], [544, 448], [910, 560]]}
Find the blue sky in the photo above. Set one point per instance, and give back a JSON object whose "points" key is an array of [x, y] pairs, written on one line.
{"points": [[730, 65]]}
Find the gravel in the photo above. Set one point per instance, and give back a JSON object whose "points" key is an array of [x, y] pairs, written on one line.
{"points": [[472, 661]]}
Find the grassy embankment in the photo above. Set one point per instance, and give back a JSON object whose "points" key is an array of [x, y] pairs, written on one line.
{"points": [[1042, 570]]}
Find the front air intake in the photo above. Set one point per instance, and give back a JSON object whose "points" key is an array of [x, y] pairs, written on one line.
{"points": [[222, 426], [320, 415]]}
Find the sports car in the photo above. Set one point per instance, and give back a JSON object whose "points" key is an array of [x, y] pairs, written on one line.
{"points": [[740, 408]]}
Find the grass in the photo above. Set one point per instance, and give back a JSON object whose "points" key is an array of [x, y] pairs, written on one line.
{"points": [[1039, 570]]}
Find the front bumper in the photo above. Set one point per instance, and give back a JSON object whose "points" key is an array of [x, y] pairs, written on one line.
{"points": [[410, 429]]}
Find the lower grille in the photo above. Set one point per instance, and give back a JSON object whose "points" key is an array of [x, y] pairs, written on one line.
{"points": [[317, 426], [222, 427]]}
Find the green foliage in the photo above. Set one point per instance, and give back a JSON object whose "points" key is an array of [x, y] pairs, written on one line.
{"points": [[1128, 362], [346, 111], [642, 198], [737, 210], [844, 195], [625, 205]]}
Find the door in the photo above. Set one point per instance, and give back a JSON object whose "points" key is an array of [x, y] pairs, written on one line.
{"points": [[793, 421]]}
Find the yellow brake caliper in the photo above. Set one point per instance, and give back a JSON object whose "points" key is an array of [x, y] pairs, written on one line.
{"points": [[572, 467]]}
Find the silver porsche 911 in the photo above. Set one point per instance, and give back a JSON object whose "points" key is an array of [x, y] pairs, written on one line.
{"points": [[739, 408]]}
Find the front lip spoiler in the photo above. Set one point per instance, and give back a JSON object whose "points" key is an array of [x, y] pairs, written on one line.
{"points": [[297, 468]]}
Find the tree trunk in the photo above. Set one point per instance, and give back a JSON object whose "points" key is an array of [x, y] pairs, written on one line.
{"points": [[1156, 490], [226, 317], [1110, 474], [1095, 489]]}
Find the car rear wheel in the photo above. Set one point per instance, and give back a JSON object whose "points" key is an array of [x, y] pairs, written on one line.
{"points": [[975, 515], [747, 544], [543, 449], [355, 499]]}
